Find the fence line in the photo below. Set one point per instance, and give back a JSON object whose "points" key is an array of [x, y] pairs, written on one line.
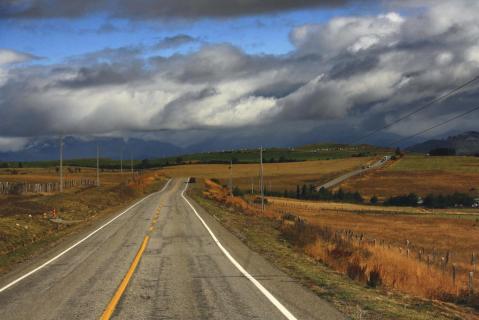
{"points": [[23, 187]]}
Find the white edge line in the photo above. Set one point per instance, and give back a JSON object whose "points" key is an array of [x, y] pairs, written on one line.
{"points": [[263, 290], [79, 242]]}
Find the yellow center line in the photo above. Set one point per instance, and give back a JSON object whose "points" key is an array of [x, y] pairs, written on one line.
{"points": [[124, 283]]}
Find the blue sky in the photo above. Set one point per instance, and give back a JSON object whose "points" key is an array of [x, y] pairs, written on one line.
{"points": [[56, 39]]}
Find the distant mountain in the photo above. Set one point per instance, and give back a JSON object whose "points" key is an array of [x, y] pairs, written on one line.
{"points": [[76, 148], [466, 143]]}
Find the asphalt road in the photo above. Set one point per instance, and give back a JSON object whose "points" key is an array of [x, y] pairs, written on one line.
{"points": [[348, 175], [184, 273]]}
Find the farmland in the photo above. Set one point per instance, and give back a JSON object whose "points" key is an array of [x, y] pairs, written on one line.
{"points": [[325, 151], [421, 175], [277, 176]]}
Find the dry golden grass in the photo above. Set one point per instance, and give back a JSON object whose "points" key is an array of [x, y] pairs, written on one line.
{"points": [[401, 269], [421, 175], [279, 175], [49, 175], [428, 231], [424, 231], [316, 206], [25, 225], [397, 271]]}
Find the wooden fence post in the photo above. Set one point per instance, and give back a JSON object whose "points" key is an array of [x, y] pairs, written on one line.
{"points": [[454, 274], [471, 283], [473, 261]]}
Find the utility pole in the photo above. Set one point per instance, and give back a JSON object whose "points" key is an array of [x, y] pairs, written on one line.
{"points": [[261, 178], [61, 163], [231, 177], [131, 163], [121, 161], [97, 165]]}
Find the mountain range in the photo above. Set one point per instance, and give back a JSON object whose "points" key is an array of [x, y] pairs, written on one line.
{"points": [[77, 148], [466, 143]]}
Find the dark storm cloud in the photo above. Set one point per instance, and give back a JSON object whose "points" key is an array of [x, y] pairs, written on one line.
{"points": [[150, 9], [358, 73]]}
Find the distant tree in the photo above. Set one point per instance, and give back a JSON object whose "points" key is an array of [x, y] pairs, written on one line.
{"points": [[373, 200], [237, 192], [234, 160], [443, 152], [410, 200], [356, 197], [145, 164], [179, 160], [304, 191], [298, 192], [339, 194], [282, 159], [20, 165], [398, 152]]}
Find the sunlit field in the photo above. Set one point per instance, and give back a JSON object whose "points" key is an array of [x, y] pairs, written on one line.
{"points": [[277, 176], [421, 175], [424, 254]]}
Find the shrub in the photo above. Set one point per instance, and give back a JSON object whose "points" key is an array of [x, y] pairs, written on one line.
{"points": [[355, 271], [237, 192], [410, 200], [374, 279]]}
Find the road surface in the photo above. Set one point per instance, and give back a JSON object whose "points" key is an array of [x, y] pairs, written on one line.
{"points": [[348, 175], [183, 273]]}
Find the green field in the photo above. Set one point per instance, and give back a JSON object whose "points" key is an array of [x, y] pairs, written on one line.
{"points": [[270, 155], [448, 164]]}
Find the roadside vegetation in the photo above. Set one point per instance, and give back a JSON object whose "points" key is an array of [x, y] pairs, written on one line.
{"points": [[360, 286], [32, 223]]}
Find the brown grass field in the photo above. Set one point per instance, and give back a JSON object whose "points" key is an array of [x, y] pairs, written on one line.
{"points": [[279, 176], [47, 175], [411, 253], [421, 175], [428, 236], [25, 225]]}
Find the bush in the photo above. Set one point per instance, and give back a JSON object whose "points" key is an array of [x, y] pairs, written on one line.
{"points": [[355, 271], [441, 201], [257, 200], [237, 192], [374, 279], [373, 200], [410, 200]]}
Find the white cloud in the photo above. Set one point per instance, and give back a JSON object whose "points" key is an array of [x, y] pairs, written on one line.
{"points": [[350, 69], [8, 56]]}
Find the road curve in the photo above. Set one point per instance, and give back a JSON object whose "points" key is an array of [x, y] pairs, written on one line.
{"points": [[182, 274]]}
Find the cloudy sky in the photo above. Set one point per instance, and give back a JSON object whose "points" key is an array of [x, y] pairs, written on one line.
{"points": [[218, 74]]}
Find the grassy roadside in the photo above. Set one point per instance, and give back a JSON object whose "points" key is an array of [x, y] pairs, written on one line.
{"points": [[26, 233], [353, 299]]}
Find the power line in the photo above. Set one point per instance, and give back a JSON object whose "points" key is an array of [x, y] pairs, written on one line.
{"points": [[436, 126], [427, 105]]}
